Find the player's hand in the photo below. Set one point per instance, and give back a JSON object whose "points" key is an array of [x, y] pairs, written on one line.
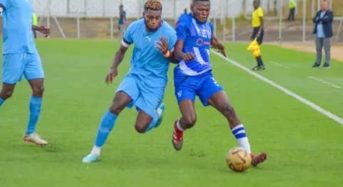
{"points": [[221, 49], [111, 75], [44, 30], [162, 45], [187, 56]]}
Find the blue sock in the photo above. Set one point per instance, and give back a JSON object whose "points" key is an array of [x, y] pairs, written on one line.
{"points": [[1, 101], [105, 127], [35, 108], [241, 137]]}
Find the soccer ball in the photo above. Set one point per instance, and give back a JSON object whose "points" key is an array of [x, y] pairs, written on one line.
{"points": [[238, 159]]}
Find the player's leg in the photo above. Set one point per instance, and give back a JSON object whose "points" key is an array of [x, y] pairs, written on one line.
{"points": [[185, 92], [221, 102], [6, 92], [35, 105], [34, 73], [146, 122], [319, 47], [125, 94], [212, 93], [187, 121], [150, 106], [327, 49], [12, 71], [120, 101]]}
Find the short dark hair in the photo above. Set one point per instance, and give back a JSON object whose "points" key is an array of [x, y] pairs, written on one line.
{"points": [[153, 5]]}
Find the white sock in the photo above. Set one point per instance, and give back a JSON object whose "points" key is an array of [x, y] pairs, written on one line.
{"points": [[244, 142], [241, 137], [96, 150], [178, 126]]}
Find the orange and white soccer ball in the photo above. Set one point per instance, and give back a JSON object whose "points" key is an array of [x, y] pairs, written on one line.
{"points": [[238, 159]]}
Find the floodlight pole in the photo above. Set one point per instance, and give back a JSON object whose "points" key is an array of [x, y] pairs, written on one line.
{"points": [[280, 21], [304, 20]]}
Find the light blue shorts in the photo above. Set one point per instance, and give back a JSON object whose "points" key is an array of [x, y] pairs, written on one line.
{"points": [[144, 97], [18, 64]]}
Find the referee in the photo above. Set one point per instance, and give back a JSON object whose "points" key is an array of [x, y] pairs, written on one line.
{"points": [[258, 32]]}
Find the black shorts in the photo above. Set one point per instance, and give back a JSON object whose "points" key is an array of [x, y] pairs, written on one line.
{"points": [[259, 37]]}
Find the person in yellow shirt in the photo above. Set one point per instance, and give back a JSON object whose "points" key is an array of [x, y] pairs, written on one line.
{"points": [[292, 4], [258, 32]]}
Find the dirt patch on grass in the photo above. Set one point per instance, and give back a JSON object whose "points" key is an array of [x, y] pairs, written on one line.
{"points": [[336, 50]]}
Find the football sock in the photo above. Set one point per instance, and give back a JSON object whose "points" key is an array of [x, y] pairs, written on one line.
{"points": [[1, 101], [35, 108], [241, 137], [105, 127], [259, 61], [178, 126]]}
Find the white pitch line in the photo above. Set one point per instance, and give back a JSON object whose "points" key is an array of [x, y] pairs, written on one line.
{"points": [[280, 65], [324, 82], [284, 90]]}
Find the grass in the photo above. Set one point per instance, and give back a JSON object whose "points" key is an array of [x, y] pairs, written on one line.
{"points": [[304, 147]]}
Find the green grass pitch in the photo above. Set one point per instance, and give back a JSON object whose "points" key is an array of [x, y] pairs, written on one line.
{"points": [[304, 147]]}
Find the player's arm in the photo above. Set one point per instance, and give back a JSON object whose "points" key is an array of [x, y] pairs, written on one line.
{"points": [[217, 45], [181, 32], [42, 29], [328, 18], [118, 58], [179, 54]]}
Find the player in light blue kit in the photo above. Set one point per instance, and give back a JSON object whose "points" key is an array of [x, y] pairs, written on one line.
{"points": [[193, 76], [20, 58], [145, 83]]}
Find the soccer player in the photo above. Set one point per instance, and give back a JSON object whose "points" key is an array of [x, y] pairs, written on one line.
{"points": [[20, 57], [258, 31], [145, 83], [193, 76]]}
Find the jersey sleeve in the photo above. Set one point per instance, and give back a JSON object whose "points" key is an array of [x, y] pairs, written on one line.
{"points": [[212, 31], [128, 35], [172, 40], [181, 28], [4, 3]]}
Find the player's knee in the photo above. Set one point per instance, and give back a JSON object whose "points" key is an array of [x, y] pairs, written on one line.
{"points": [[38, 91], [5, 94], [115, 109], [190, 121], [140, 129]]}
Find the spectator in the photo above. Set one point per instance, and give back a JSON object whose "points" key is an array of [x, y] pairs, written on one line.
{"points": [[323, 31], [122, 18], [292, 4]]}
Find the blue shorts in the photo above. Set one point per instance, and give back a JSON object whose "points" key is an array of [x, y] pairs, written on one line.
{"points": [[144, 97], [187, 87], [18, 64]]}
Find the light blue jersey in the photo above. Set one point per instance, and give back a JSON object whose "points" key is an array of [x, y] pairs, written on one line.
{"points": [[147, 63], [17, 27]]}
